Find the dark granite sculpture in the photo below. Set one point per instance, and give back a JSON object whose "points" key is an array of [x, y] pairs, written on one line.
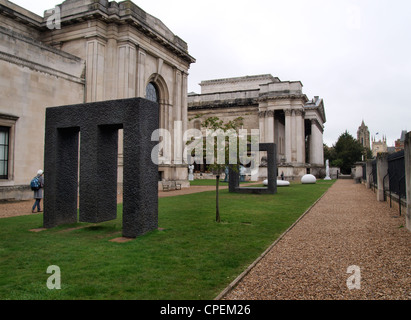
{"points": [[95, 126], [234, 177]]}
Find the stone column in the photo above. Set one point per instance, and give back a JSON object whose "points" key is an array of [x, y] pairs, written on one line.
{"points": [[127, 65], [111, 67], [270, 126], [261, 119], [382, 170], [177, 106], [288, 137], [184, 112], [184, 103], [316, 144], [407, 154], [300, 136], [141, 85], [95, 65]]}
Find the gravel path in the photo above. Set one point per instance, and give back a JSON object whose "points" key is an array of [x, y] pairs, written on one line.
{"points": [[347, 227]]}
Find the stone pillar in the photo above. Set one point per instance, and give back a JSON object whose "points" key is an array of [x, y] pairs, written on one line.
{"points": [[382, 170], [407, 154], [300, 136], [261, 119], [288, 137], [141, 85], [184, 103], [316, 144], [95, 67], [127, 66], [368, 173], [111, 66], [270, 126], [358, 171]]}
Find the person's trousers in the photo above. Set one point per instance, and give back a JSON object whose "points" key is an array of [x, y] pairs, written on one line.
{"points": [[36, 204]]}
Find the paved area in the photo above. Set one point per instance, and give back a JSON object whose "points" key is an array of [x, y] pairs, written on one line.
{"points": [[346, 228], [20, 208]]}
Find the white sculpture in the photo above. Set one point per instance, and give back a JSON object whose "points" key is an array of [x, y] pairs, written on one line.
{"points": [[280, 183], [190, 174], [308, 179], [327, 170]]}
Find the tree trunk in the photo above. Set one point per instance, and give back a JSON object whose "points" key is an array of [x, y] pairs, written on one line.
{"points": [[217, 212]]}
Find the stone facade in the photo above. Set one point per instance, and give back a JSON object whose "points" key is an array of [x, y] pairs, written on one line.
{"points": [[379, 146], [102, 51], [279, 109]]}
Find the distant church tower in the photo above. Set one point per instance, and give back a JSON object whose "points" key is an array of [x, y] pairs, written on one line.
{"points": [[363, 135]]}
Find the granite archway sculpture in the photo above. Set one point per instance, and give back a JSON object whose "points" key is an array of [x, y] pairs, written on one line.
{"points": [[234, 180], [95, 126]]}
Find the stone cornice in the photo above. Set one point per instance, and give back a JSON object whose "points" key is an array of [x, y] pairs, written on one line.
{"points": [[240, 79], [122, 13], [235, 103], [282, 96], [125, 13], [40, 68]]}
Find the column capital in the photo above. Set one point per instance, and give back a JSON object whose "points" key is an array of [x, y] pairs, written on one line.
{"points": [[287, 112], [261, 114], [299, 112], [270, 113]]}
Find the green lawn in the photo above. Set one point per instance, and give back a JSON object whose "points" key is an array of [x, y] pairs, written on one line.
{"points": [[192, 258]]}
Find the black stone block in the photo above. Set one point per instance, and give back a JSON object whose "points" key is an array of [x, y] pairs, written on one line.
{"points": [[97, 125], [234, 179]]}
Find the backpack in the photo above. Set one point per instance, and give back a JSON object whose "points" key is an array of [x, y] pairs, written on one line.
{"points": [[35, 184]]}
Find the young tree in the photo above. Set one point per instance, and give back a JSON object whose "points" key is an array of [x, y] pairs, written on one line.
{"points": [[220, 136]]}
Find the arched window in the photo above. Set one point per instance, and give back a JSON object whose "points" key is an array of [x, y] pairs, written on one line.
{"points": [[152, 92]]}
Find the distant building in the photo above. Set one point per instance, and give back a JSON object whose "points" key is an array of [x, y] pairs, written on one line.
{"points": [[379, 146], [399, 143], [279, 109], [363, 135]]}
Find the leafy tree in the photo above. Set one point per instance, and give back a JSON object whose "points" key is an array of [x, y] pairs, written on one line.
{"points": [[329, 153], [347, 151]]}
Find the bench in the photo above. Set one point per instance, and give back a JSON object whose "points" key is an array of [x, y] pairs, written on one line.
{"points": [[171, 185]]}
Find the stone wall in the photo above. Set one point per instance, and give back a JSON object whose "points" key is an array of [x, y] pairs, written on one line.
{"points": [[34, 76]]}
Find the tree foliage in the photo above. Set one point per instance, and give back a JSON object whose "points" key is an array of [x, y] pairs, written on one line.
{"points": [[345, 152], [214, 124]]}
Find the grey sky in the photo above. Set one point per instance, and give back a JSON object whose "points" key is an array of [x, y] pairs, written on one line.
{"points": [[355, 54]]}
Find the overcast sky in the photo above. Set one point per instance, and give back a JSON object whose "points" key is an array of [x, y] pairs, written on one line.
{"points": [[355, 54]]}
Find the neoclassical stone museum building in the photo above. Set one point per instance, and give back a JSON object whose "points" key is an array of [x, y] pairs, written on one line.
{"points": [[97, 50], [102, 50], [279, 109]]}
